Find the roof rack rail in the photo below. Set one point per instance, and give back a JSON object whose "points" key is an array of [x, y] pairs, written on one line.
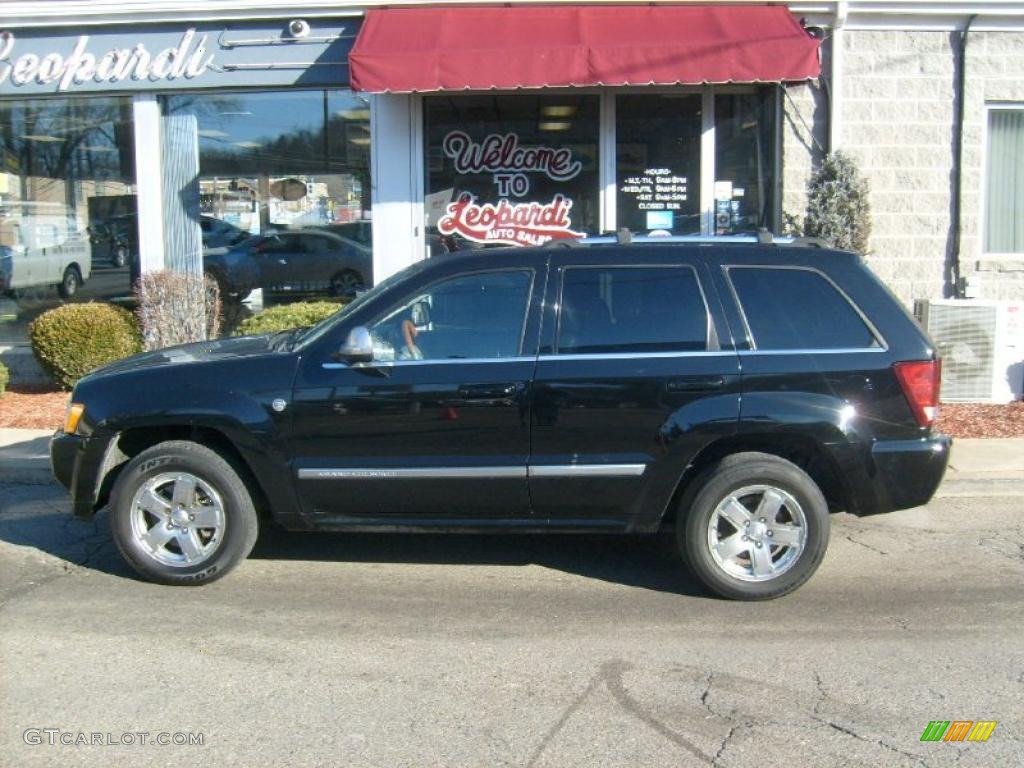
{"points": [[810, 242]]}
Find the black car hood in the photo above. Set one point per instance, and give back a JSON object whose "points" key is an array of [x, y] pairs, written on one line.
{"points": [[205, 351]]}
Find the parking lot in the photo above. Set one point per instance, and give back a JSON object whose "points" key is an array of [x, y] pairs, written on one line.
{"points": [[388, 650]]}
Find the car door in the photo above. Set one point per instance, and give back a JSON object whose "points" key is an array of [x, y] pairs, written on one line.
{"points": [[632, 380], [437, 427], [275, 258]]}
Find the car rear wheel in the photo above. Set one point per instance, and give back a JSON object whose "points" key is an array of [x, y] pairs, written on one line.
{"points": [[347, 284], [754, 527], [181, 515], [70, 283]]}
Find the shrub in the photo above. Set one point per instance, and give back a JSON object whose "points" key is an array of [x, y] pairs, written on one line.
{"points": [[285, 316], [838, 210], [73, 339], [4, 378], [177, 308]]}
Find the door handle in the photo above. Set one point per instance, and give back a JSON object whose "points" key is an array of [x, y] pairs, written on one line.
{"points": [[488, 391], [695, 383]]}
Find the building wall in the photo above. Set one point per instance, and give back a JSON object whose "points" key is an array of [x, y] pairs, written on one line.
{"points": [[898, 116], [995, 73]]}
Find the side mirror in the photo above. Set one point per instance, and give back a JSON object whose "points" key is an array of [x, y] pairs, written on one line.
{"points": [[358, 347]]}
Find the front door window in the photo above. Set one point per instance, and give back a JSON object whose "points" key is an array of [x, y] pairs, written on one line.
{"points": [[477, 316]]}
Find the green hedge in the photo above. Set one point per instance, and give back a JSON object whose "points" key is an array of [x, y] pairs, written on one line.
{"points": [[4, 378], [285, 316], [73, 339]]}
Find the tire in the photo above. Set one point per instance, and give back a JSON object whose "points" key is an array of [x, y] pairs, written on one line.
{"points": [[166, 543], [228, 295], [724, 502], [70, 283], [346, 283]]}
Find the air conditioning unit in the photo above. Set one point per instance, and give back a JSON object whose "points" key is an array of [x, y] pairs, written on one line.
{"points": [[981, 344]]}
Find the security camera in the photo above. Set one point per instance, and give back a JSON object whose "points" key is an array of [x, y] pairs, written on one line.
{"points": [[298, 28]]}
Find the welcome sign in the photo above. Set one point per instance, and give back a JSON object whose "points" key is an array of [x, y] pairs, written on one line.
{"points": [[511, 165]]}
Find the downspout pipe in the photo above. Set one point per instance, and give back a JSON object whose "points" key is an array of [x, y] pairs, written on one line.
{"points": [[956, 177], [835, 84]]}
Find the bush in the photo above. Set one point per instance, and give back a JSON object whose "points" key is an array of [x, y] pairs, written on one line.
{"points": [[838, 210], [4, 378], [73, 339], [286, 316], [177, 308]]}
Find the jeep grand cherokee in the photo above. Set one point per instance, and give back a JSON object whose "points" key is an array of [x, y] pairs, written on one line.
{"points": [[730, 393]]}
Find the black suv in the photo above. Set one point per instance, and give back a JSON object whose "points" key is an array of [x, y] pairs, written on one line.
{"points": [[731, 393]]}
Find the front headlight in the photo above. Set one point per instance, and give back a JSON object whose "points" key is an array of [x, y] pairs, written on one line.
{"points": [[72, 416]]}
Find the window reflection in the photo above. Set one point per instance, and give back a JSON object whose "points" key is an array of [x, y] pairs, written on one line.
{"points": [[284, 192], [68, 227]]}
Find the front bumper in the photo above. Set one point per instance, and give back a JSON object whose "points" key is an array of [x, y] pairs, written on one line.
{"points": [[76, 466]]}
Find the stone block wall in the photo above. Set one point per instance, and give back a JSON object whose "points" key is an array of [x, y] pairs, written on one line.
{"points": [[898, 115]]}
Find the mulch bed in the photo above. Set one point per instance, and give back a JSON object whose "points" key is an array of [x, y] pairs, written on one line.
{"points": [[28, 408]]}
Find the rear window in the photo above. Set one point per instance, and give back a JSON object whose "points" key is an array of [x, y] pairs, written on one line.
{"points": [[631, 310], [797, 309]]}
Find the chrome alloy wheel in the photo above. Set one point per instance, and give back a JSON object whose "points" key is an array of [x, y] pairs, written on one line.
{"points": [[178, 519], [757, 533]]}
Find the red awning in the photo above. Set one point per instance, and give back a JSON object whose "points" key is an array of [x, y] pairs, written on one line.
{"points": [[479, 48]]}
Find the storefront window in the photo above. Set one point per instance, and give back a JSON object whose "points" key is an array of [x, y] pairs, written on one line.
{"points": [[657, 159], [68, 228], [284, 191], [511, 170], [744, 162]]}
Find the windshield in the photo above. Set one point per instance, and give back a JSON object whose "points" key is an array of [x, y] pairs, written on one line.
{"points": [[311, 335]]}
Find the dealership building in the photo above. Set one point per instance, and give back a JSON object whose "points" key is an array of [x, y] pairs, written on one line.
{"points": [[144, 129]]}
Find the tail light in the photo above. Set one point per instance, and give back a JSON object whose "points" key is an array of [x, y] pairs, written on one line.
{"points": [[920, 383]]}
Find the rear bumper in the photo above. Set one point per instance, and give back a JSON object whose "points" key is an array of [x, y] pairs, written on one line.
{"points": [[76, 466], [901, 474]]}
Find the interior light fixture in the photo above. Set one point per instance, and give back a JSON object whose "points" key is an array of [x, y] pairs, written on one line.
{"points": [[354, 114], [555, 125], [248, 144], [41, 137], [558, 110], [361, 141], [211, 133]]}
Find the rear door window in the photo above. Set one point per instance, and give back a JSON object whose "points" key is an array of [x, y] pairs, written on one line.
{"points": [[611, 310], [795, 308]]}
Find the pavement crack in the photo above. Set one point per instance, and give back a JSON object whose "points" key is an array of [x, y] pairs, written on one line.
{"points": [[725, 743], [868, 740], [849, 538], [822, 694], [612, 672]]}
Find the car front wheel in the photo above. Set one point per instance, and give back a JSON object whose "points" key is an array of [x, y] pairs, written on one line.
{"points": [[181, 515], [755, 527]]}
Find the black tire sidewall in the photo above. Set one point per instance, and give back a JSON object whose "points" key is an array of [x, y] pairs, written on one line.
{"points": [[241, 521], [716, 485], [70, 276]]}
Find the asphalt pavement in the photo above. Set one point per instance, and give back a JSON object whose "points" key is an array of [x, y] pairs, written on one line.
{"points": [[432, 650]]}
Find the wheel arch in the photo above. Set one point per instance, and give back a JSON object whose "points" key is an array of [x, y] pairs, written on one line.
{"points": [[134, 440], [812, 456]]}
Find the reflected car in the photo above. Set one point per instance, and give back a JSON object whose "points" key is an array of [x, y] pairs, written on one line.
{"points": [[218, 233], [312, 261], [62, 262]]}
